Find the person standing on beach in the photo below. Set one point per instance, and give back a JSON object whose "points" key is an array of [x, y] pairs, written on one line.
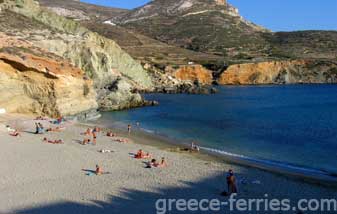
{"points": [[129, 129], [231, 182], [94, 137]]}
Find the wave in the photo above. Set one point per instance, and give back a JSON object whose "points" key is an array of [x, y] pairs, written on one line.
{"points": [[314, 175]]}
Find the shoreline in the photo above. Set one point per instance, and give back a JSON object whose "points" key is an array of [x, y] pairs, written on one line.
{"points": [[38, 177], [309, 175]]}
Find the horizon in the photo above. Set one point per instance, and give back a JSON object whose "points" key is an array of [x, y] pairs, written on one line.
{"points": [[299, 16]]}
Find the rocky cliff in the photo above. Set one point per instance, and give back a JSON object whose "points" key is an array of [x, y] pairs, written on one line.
{"points": [[101, 59], [194, 73], [34, 84], [281, 72], [172, 33]]}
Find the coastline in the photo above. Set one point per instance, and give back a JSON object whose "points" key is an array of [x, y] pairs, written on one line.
{"points": [[145, 137], [39, 177]]}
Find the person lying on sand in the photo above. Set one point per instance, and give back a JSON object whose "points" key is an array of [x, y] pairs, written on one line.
{"points": [[9, 129], [99, 170], [15, 133], [111, 134], [154, 163], [86, 141], [53, 141], [141, 155], [121, 140], [57, 129], [41, 118], [105, 151]]}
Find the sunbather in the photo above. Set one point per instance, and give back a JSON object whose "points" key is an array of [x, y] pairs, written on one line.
{"points": [[57, 129], [99, 170], [53, 141], [141, 155], [121, 140], [110, 134], [14, 133]]}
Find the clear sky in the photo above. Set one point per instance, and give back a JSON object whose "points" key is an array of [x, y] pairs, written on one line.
{"points": [[277, 15]]}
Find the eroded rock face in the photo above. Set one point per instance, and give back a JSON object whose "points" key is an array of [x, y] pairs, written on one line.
{"points": [[281, 72], [101, 59], [32, 84], [194, 73]]}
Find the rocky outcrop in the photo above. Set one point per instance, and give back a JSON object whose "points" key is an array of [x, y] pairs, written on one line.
{"points": [[194, 73], [32, 84], [168, 83], [101, 59], [281, 72]]}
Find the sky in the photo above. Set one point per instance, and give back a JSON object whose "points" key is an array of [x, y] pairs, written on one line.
{"points": [[276, 15]]}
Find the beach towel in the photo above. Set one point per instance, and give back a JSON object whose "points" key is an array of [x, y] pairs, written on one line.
{"points": [[2, 111]]}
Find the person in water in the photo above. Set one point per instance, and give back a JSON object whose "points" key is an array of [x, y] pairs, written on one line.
{"points": [[231, 182], [99, 170]]}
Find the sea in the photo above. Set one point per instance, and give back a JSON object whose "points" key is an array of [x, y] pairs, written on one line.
{"points": [[292, 126]]}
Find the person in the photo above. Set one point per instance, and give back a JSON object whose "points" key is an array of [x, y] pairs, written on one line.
{"points": [[15, 133], [138, 125], [53, 141], [110, 134], [86, 141], [194, 147], [141, 155], [152, 163], [99, 170], [88, 132], [129, 129], [57, 129], [59, 120], [163, 162], [94, 137], [96, 129], [121, 140], [105, 151], [231, 182], [37, 128]]}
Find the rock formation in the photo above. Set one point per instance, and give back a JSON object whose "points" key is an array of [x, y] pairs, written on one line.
{"points": [[281, 72], [33, 84], [101, 59], [194, 73]]}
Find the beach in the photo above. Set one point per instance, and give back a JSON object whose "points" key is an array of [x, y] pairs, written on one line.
{"points": [[39, 177]]}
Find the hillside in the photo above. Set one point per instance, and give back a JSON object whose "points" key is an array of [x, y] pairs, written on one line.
{"points": [[81, 11], [216, 27], [116, 76]]}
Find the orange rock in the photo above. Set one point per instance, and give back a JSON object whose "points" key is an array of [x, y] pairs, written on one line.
{"points": [[263, 73], [193, 73]]}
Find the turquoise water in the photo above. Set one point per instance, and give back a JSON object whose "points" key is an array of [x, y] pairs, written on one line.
{"points": [[294, 124]]}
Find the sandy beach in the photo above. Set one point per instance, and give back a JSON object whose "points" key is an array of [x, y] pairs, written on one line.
{"points": [[38, 177]]}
